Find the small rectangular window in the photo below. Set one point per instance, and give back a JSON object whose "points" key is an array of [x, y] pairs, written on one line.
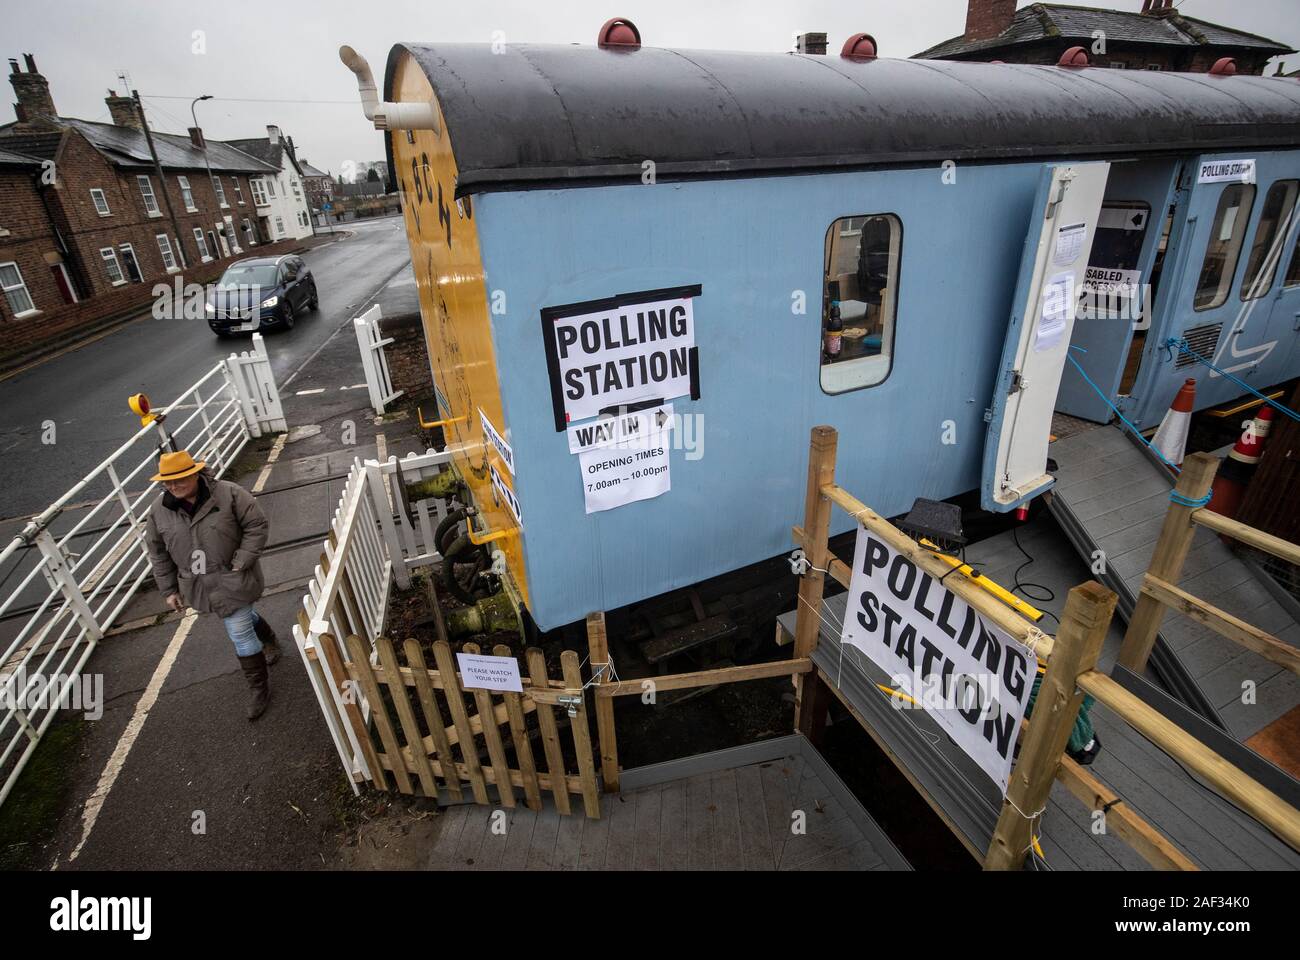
{"points": [[100, 201], [259, 191], [220, 191], [186, 193], [860, 287], [248, 232], [279, 226], [239, 192], [150, 201], [111, 266], [15, 290], [202, 244], [1275, 221], [270, 186], [1224, 246], [165, 248]]}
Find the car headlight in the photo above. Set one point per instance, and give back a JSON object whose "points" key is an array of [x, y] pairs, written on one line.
{"points": [[270, 301], [209, 308]]}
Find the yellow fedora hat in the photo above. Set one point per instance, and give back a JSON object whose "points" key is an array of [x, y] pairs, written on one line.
{"points": [[177, 466]]}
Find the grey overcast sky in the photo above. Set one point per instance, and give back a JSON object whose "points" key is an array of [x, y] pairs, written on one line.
{"points": [[270, 50]]}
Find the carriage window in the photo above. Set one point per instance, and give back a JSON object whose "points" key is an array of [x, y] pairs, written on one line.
{"points": [[1224, 248], [1274, 224], [860, 290]]}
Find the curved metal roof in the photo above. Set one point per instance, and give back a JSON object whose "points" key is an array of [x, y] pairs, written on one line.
{"points": [[543, 115]]}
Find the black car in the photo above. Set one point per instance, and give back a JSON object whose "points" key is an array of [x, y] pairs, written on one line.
{"points": [[260, 292]]}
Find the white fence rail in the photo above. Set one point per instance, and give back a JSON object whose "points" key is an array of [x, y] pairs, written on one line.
{"points": [[371, 341], [77, 564], [373, 544]]}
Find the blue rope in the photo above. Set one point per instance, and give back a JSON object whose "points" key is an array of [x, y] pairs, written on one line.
{"points": [[1106, 400], [1178, 498], [1185, 347]]}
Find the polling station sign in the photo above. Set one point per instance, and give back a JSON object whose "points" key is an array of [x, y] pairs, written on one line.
{"points": [[621, 351], [969, 675], [1220, 171]]}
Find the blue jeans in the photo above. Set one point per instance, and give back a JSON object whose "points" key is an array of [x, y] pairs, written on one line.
{"points": [[241, 626]]}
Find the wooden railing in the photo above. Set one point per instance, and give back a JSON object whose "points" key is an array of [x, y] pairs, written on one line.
{"points": [[1159, 586], [1071, 671]]}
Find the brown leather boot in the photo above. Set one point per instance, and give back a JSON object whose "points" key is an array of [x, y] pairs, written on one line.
{"points": [[270, 644], [259, 686]]}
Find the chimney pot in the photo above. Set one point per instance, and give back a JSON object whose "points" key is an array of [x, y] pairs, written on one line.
{"points": [[31, 63], [196, 137], [13, 66]]}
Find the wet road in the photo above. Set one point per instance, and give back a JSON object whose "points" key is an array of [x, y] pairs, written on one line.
{"points": [[85, 391]]}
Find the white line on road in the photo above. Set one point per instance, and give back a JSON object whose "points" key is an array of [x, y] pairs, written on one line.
{"points": [[271, 457], [306, 393], [95, 803]]}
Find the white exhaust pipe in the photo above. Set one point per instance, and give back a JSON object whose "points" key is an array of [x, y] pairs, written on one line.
{"points": [[386, 115]]}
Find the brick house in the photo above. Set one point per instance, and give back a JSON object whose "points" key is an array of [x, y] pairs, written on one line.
{"points": [[88, 224], [1158, 38]]}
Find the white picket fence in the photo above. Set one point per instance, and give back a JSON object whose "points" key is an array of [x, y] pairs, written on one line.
{"points": [[374, 544], [371, 342], [69, 588]]}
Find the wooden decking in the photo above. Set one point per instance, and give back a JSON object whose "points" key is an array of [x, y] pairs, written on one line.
{"points": [[1116, 498], [722, 813]]}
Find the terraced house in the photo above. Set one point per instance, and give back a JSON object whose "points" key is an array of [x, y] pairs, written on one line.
{"points": [[87, 225], [280, 197]]}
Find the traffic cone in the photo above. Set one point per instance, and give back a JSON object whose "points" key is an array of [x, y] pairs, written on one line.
{"points": [[1171, 438], [1239, 465]]}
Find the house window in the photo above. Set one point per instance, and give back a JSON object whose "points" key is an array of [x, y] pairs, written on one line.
{"points": [[150, 201], [111, 266], [100, 201], [239, 192], [270, 186], [202, 244], [860, 286], [220, 191], [1224, 247], [165, 248], [294, 184], [279, 227], [187, 194], [259, 192], [15, 290], [248, 232], [130, 262], [1274, 224]]}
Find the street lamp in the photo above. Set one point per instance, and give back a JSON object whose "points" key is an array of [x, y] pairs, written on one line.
{"points": [[208, 166]]}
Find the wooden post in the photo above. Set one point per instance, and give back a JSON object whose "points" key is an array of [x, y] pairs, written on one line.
{"points": [[816, 525], [1167, 560], [598, 650], [1078, 643]]}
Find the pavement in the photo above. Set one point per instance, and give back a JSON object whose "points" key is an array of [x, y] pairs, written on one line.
{"points": [[172, 776]]}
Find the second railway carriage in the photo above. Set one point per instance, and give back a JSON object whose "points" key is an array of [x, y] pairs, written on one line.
{"points": [[745, 245]]}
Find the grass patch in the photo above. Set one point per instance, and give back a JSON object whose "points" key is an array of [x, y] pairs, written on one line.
{"points": [[29, 817]]}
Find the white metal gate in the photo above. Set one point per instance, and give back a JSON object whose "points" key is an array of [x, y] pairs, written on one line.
{"points": [[77, 564]]}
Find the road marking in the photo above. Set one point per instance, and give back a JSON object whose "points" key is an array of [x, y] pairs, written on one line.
{"points": [[305, 393], [95, 803], [345, 324], [273, 456]]}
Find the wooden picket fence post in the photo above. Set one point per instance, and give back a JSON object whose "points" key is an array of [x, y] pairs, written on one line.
{"points": [[439, 751], [809, 699], [598, 650], [1084, 623]]}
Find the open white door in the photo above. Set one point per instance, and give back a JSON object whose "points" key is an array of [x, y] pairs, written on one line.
{"points": [[1061, 230]]}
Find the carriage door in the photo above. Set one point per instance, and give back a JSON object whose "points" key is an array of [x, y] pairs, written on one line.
{"points": [[1062, 225], [1112, 318]]}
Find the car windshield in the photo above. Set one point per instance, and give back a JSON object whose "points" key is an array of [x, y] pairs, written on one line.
{"points": [[248, 275]]}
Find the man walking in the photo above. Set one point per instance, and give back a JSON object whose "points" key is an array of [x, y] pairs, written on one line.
{"points": [[205, 537]]}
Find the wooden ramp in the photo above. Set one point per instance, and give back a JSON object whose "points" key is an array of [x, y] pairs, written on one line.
{"points": [[1213, 833], [728, 810], [1110, 496]]}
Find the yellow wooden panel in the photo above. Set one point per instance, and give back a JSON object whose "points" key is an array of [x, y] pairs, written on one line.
{"points": [[453, 303]]}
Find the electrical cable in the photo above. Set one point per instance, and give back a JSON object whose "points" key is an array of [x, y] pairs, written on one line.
{"points": [[1025, 586]]}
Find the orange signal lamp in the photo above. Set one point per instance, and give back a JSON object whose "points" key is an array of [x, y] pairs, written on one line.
{"points": [[139, 404]]}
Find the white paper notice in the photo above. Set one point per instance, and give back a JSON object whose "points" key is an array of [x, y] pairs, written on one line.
{"points": [[1220, 171], [1069, 244], [489, 673], [614, 476], [1058, 295]]}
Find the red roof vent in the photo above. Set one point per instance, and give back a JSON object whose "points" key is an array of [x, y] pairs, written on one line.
{"points": [[1074, 57], [1224, 67], [860, 46], [619, 33]]}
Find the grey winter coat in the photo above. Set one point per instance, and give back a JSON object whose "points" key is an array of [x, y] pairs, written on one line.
{"points": [[212, 559]]}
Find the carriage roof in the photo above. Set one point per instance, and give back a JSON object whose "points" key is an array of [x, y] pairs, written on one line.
{"points": [[555, 115]]}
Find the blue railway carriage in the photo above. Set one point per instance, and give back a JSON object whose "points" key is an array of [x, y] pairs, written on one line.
{"points": [[715, 251]]}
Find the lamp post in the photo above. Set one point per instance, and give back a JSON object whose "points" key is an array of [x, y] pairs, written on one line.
{"points": [[207, 166]]}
